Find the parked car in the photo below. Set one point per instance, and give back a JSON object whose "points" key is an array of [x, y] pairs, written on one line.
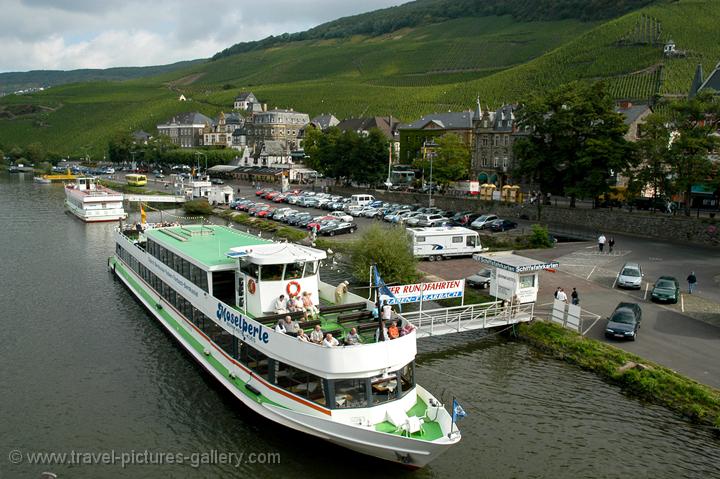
{"points": [[333, 228], [666, 288], [342, 216], [630, 276], [295, 220], [483, 222], [429, 220], [502, 225], [308, 202], [217, 181], [481, 279], [624, 321], [372, 213]]}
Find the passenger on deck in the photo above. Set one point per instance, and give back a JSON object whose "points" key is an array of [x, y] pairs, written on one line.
{"points": [[302, 336], [308, 304], [291, 327], [340, 292], [330, 342], [279, 305], [317, 335], [280, 327], [393, 331], [407, 329], [381, 332], [295, 304], [353, 338], [386, 311]]}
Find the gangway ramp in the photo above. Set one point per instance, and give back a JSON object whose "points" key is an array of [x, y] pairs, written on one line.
{"points": [[155, 198], [457, 319]]}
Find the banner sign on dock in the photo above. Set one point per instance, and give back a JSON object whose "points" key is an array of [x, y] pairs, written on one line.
{"points": [[414, 293]]}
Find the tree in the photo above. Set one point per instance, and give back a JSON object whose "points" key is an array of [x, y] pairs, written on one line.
{"points": [[575, 141], [35, 153], [654, 152], [390, 249], [451, 161], [694, 123]]}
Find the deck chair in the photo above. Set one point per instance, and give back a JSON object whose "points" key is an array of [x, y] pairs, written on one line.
{"points": [[414, 424], [396, 417]]}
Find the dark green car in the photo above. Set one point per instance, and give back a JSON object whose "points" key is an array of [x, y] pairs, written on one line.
{"points": [[666, 289]]}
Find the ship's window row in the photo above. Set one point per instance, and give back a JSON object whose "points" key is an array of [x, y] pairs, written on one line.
{"points": [[279, 272], [189, 271]]}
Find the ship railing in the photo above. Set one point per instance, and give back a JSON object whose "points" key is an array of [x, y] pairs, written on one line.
{"points": [[469, 317]]}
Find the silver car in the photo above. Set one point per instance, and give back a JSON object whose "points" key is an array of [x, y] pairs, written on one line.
{"points": [[630, 276]]}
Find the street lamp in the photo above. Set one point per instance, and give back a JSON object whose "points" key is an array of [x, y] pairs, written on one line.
{"points": [[197, 154], [431, 155]]}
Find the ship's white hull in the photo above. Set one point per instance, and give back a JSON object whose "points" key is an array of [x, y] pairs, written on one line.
{"points": [[366, 440]]}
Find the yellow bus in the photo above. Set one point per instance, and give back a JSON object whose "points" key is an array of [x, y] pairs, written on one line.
{"points": [[136, 180]]}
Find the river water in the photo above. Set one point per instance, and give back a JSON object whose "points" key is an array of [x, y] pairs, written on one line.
{"points": [[85, 369]]}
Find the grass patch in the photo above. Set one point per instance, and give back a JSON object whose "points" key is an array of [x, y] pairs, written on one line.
{"points": [[262, 224], [655, 384]]}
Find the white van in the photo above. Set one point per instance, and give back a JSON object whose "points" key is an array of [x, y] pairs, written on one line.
{"points": [[361, 200], [442, 242]]}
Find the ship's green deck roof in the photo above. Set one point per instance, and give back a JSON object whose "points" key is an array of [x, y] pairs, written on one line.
{"points": [[208, 249]]}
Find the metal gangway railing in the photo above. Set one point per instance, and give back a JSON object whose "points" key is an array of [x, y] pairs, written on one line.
{"points": [[456, 319]]}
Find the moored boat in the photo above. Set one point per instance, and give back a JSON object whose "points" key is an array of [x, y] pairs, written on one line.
{"points": [[216, 291], [92, 202]]}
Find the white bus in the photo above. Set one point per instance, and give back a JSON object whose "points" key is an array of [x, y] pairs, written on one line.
{"points": [[441, 242]]}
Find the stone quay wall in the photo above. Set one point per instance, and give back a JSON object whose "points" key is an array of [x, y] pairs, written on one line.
{"points": [[587, 222]]}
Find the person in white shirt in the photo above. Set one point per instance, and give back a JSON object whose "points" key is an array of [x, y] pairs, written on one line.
{"points": [[386, 311], [317, 335], [601, 242], [562, 296], [280, 327], [279, 305], [330, 342]]}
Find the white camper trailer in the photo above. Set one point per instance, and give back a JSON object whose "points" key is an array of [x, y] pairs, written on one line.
{"points": [[444, 242]]}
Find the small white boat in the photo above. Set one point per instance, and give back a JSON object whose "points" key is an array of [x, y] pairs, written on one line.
{"points": [[41, 180]]}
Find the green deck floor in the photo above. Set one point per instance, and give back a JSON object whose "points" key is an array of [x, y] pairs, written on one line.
{"points": [[430, 430]]}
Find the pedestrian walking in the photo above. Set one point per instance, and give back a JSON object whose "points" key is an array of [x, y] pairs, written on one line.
{"points": [[562, 296], [574, 297], [611, 244], [692, 281], [601, 242], [557, 290]]}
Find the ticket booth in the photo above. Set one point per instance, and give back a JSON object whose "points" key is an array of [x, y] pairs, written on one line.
{"points": [[514, 278]]}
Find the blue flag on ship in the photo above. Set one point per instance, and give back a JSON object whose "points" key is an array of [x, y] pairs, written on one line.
{"points": [[457, 411], [382, 288]]}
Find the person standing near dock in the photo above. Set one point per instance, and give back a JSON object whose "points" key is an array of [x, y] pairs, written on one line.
{"points": [[574, 297], [692, 281], [601, 242], [611, 244]]}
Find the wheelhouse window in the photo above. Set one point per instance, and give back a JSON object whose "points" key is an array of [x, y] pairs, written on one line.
{"points": [[250, 269], [311, 268], [294, 270], [271, 272]]}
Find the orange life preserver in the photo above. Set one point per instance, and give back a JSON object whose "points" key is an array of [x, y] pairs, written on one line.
{"points": [[293, 285], [251, 286]]}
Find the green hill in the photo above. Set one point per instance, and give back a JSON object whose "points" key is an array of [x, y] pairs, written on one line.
{"points": [[433, 64]]}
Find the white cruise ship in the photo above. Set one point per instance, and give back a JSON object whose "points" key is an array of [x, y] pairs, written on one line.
{"points": [[213, 288], [92, 202]]}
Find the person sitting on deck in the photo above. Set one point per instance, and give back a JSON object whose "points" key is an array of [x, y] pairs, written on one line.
{"points": [[393, 331], [309, 306], [279, 305], [330, 342], [280, 327], [302, 336], [291, 327], [317, 335], [295, 304], [353, 338], [381, 332]]}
